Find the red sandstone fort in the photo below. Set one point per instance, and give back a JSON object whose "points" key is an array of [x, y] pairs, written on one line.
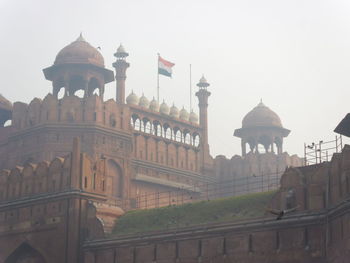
{"points": [[70, 166]]}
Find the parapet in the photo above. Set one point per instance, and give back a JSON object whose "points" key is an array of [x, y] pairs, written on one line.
{"points": [[53, 177], [69, 109], [317, 186]]}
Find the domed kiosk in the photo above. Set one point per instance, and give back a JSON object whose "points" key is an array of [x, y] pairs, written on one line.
{"points": [[262, 126], [78, 66]]}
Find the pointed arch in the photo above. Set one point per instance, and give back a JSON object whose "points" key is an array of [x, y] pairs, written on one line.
{"points": [[25, 253], [116, 174]]}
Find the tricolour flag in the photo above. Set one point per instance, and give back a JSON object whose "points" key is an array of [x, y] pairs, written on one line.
{"points": [[164, 67]]}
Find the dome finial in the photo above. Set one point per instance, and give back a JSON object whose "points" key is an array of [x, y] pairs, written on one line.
{"points": [[261, 103], [80, 38]]}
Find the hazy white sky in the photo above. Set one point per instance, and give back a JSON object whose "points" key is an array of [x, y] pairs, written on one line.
{"points": [[295, 55]]}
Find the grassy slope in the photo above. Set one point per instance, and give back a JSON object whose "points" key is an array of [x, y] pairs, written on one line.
{"points": [[219, 210]]}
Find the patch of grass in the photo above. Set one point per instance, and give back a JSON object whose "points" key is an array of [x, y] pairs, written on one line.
{"points": [[172, 217]]}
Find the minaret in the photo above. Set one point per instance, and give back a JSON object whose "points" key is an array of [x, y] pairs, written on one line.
{"points": [[203, 95], [120, 73]]}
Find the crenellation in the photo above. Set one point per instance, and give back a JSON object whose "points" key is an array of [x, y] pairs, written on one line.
{"points": [[50, 177], [69, 109]]}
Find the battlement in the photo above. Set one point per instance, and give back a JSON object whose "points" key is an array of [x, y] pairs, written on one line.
{"points": [[69, 109], [73, 171], [318, 186]]}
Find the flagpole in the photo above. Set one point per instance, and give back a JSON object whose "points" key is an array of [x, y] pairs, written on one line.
{"points": [[190, 88], [158, 79]]}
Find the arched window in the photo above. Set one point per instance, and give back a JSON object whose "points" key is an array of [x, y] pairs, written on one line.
{"points": [[147, 127], [76, 86], [167, 132], [138, 124], [187, 137], [196, 140], [94, 87], [157, 128], [178, 134]]}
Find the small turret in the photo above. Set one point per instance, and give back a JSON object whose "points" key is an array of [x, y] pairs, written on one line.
{"points": [[120, 72], [132, 99], [174, 112], [193, 117], [154, 105], [144, 102], [164, 108], [184, 114]]}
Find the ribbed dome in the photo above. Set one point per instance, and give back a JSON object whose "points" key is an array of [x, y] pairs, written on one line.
{"points": [[164, 108], [154, 105], [193, 117], [261, 116], [184, 114], [174, 111], [79, 52], [132, 99], [144, 102], [5, 104]]}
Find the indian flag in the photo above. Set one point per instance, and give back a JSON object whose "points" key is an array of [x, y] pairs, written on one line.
{"points": [[164, 67]]}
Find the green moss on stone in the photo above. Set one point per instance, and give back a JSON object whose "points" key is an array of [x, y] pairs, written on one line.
{"points": [[191, 214]]}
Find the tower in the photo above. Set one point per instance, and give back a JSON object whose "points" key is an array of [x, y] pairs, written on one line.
{"points": [[78, 66], [262, 126], [203, 95], [120, 73]]}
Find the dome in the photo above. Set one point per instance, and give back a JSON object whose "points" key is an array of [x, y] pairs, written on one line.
{"points": [[132, 99], [164, 108], [261, 116], [121, 53], [144, 102], [5, 104], [174, 111], [154, 105], [184, 114], [121, 49], [193, 117], [79, 52]]}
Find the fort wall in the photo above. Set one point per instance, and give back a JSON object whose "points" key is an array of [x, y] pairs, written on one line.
{"points": [[318, 232]]}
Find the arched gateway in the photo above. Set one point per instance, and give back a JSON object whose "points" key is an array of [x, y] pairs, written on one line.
{"points": [[25, 254]]}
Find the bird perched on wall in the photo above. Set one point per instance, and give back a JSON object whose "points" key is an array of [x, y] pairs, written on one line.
{"points": [[281, 213]]}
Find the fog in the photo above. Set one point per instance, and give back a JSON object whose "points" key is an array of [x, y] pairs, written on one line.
{"points": [[294, 55]]}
